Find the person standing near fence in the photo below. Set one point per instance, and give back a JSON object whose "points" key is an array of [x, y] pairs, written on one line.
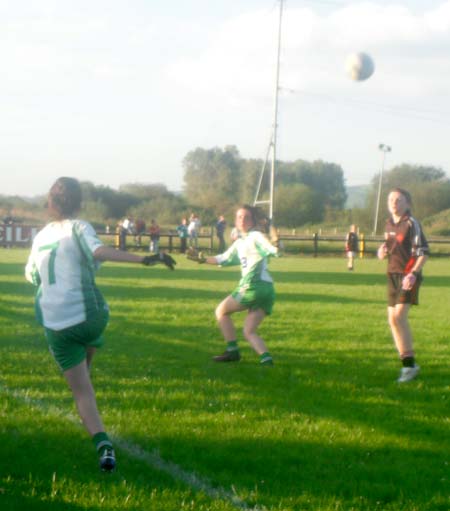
{"points": [[155, 233], [407, 250], [64, 257], [122, 235], [221, 225], [194, 230], [351, 246], [139, 228], [182, 231]]}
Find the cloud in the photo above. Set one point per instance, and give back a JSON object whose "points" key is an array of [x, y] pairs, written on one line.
{"points": [[410, 51], [438, 20]]}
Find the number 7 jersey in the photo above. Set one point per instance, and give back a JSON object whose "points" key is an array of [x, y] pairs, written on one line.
{"points": [[63, 267]]}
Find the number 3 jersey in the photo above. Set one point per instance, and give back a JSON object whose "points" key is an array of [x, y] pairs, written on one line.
{"points": [[251, 252], [63, 267]]}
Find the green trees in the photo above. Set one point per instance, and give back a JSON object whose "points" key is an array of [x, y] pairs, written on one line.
{"points": [[428, 185], [109, 203], [325, 179], [296, 204], [211, 178], [155, 201], [219, 179]]}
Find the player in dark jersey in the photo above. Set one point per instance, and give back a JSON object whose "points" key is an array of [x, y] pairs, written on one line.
{"points": [[351, 246], [407, 250]]}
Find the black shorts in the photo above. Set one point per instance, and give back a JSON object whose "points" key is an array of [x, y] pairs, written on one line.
{"points": [[398, 295]]}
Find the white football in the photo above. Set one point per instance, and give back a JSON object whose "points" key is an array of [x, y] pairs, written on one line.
{"points": [[359, 66]]}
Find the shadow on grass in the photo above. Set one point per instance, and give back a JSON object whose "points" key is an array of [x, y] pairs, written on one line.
{"points": [[156, 367], [286, 474], [304, 393], [154, 293], [282, 468], [323, 383], [14, 500], [49, 463]]}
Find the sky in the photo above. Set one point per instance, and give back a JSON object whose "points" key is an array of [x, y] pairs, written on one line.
{"points": [[118, 92]]}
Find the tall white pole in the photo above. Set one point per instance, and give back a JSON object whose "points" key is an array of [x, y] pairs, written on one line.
{"points": [[275, 119], [385, 149]]}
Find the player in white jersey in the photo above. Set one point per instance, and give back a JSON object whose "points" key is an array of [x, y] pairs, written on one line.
{"points": [[255, 291], [62, 263]]}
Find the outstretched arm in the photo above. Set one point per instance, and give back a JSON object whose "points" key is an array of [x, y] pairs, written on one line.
{"points": [[105, 253], [211, 260]]}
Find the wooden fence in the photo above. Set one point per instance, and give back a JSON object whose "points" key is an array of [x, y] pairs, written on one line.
{"points": [[315, 244]]}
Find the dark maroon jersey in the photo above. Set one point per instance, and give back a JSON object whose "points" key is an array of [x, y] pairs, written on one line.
{"points": [[351, 243], [405, 242]]}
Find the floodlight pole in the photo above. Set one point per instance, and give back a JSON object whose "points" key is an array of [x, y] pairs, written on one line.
{"points": [[384, 149], [273, 141], [275, 117]]}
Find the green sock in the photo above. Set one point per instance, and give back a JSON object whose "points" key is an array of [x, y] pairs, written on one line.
{"points": [[265, 358], [232, 346], [101, 441]]}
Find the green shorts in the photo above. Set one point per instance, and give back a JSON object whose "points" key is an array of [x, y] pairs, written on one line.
{"points": [[259, 295], [69, 346]]}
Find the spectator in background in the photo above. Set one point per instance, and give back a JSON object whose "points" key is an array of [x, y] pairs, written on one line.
{"points": [[351, 246], [182, 231], [122, 234], [124, 228], [193, 230], [155, 233], [139, 228], [221, 225], [127, 224]]}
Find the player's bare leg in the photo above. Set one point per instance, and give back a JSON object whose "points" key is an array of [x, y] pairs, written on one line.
{"points": [[90, 352], [83, 392], [401, 332], [252, 321], [223, 312], [350, 261]]}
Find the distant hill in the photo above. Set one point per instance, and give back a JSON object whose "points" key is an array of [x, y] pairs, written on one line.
{"points": [[357, 196], [438, 225]]}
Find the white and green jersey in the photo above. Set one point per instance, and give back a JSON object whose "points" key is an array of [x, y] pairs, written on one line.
{"points": [[251, 251], [62, 265]]}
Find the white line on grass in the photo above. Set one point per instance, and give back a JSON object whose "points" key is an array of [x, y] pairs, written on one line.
{"points": [[153, 458]]}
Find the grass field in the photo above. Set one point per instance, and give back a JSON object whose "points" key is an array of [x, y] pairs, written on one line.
{"points": [[327, 428]]}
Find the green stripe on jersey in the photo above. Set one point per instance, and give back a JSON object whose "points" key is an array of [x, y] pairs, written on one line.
{"points": [[92, 298]]}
